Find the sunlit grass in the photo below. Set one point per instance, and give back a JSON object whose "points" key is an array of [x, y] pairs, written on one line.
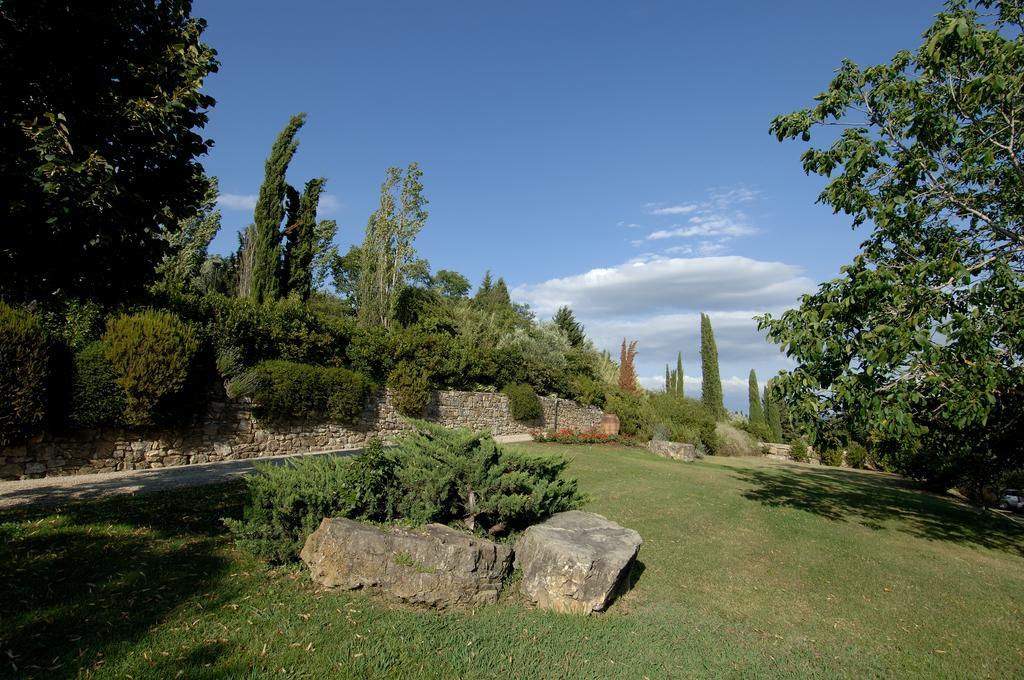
{"points": [[748, 568]]}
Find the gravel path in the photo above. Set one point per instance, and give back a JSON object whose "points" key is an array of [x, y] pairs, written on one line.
{"points": [[55, 490]]}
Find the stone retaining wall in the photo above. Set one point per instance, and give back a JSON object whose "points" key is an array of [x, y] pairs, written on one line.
{"points": [[784, 452], [229, 431]]}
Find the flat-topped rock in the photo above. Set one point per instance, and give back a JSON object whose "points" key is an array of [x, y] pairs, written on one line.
{"points": [[435, 566], [673, 450], [576, 561]]}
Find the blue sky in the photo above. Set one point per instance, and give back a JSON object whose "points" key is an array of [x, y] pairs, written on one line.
{"points": [[613, 156]]}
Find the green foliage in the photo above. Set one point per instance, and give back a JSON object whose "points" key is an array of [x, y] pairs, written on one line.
{"points": [[285, 390], [732, 441], [756, 409], [451, 284], [434, 475], [387, 258], [151, 353], [636, 417], [301, 242], [285, 329], [99, 121], [683, 420], [409, 383], [287, 503], [856, 455], [187, 245], [798, 451], [96, 397], [523, 402], [572, 329], [590, 392], [830, 455], [25, 368], [773, 412], [677, 375], [270, 212], [456, 475], [918, 342], [711, 389], [759, 431]]}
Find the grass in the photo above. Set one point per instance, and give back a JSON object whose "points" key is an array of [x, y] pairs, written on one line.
{"points": [[749, 568]]}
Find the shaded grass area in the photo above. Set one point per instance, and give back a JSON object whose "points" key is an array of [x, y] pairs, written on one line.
{"points": [[749, 568]]}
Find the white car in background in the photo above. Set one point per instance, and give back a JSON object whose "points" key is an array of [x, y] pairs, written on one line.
{"points": [[1011, 499]]}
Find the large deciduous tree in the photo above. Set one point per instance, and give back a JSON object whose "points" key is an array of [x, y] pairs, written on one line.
{"points": [[919, 342], [99, 116]]}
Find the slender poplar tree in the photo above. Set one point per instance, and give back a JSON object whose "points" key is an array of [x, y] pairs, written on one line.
{"points": [[756, 413], [711, 391], [270, 212]]}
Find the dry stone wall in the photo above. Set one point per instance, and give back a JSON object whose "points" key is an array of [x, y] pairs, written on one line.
{"points": [[229, 431]]}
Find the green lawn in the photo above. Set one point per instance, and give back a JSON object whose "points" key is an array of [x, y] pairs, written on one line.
{"points": [[749, 568]]}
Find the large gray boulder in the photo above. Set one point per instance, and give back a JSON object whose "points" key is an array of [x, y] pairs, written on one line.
{"points": [[673, 450], [435, 566], [576, 561]]}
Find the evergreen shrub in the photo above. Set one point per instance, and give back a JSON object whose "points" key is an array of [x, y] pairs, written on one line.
{"points": [[636, 417], [96, 397], [735, 442], [25, 372], [589, 391], [856, 455], [287, 503], [151, 353], [410, 389], [831, 456], [523, 402], [433, 475], [798, 451], [284, 390]]}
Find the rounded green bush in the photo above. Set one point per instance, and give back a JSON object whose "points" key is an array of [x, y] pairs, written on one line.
{"points": [[151, 353], [856, 455], [96, 398], [285, 390], [798, 451], [410, 389], [523, 402], [24, 374]]}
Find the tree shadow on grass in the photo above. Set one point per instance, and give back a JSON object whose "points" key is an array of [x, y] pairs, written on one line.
{"points": [[875, 500], [81, 580]]}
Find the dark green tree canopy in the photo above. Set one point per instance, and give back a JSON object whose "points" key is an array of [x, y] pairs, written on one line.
{"points": [[919, 342], [572, 329], [99, 115], [756, 411]]}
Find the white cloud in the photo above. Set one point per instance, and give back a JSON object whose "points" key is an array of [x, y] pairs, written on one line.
{"points": [[237, 201], [658, 283], [329, 204], [657, 301], [705, 225], [661, 209]]}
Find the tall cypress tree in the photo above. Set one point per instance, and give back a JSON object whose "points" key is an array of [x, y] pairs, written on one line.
{"points": [[754, 395], [773, 412], [270, 211], [301, 240], [712, 386], [669, 387], [679, 374]]}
